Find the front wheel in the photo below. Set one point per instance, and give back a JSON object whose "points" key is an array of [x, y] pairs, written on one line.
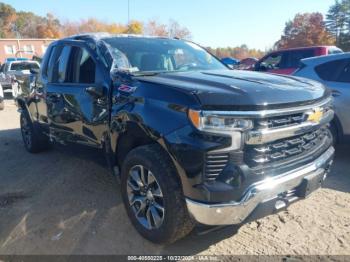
{"points": [[153, 197]]}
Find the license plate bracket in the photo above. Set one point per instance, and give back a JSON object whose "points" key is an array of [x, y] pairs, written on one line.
{"points": [[309, 184]]}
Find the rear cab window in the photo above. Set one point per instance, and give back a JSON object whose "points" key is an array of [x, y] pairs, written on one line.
{"points": [[20, 66]]}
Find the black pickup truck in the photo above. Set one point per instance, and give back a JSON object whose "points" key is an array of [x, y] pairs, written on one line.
{"points": [[190, 140]]}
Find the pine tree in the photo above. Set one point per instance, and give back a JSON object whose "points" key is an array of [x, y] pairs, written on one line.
{"points": [[338, 23]]}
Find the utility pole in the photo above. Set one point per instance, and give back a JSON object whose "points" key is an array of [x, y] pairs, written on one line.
{"points": [[18, 36], [129, 16]]}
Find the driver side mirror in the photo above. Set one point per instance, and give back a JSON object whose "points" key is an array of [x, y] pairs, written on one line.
{"points": [[95, 91]]}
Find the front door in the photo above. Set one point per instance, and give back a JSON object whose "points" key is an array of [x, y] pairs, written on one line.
{"points": [[273, 63], [76, 96]]}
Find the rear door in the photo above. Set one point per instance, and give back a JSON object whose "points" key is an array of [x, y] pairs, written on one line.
{"points": [[76, 95], [336, 75]]}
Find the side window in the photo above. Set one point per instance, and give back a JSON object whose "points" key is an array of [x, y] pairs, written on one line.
{"points": [[333, 71], [84, 66], [59, 74], [295, 57], [345, 74], [334, 50], [46, 60], [273, 61]]}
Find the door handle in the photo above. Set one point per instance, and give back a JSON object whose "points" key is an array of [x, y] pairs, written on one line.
{"points": [[95, 91]]}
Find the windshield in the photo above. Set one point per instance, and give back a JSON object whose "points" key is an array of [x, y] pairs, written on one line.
{"points": [[140, 55], [23, 66]]}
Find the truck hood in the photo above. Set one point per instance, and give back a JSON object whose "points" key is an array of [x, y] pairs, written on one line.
{"points": [[235, 88]]}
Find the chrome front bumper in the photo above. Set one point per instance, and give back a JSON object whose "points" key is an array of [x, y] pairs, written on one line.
{"points": [[236, 212]]}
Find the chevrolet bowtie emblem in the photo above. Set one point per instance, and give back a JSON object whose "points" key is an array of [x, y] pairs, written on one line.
{"points": [[315, 116]]}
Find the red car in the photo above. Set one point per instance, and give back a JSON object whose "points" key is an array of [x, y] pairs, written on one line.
{"points": [[286, 61]]}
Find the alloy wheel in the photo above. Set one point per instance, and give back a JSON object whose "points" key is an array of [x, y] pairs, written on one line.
{"points": [[145, 197], [26, 131]]}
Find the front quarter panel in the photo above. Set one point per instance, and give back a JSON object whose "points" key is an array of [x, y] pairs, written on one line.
{"points": [[156, 113], [154, 107]]}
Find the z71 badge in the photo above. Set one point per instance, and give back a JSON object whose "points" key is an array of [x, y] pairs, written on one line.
{"points": [[126, 88]]}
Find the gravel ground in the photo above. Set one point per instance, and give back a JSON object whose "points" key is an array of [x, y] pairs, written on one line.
{"points": [[62, 202]]}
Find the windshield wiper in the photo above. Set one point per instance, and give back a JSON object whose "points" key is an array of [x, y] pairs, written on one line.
{"points": [[148, 73]]}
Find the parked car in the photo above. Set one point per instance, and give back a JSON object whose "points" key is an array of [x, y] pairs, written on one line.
{"points": [[13, 69], [287, 61], [191, 140], [2, 103], [6, 80], [230, 62], [247, 63], [334, 72]]}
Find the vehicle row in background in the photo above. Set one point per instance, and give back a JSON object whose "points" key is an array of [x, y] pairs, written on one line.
{"points": [[2, 104], [14, 69], [334, 72], [284, 61]]}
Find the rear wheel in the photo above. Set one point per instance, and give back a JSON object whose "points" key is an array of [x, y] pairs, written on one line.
{"points": [[34, 141], [153, 197]]}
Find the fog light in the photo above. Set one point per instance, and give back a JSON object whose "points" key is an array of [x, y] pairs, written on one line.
{"points": [[280, 204]]}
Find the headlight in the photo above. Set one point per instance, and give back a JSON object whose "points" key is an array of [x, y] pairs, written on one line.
{"points": [[209, 121]]}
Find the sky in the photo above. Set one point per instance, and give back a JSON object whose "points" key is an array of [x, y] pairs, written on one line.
{"points": [[215, 23]]}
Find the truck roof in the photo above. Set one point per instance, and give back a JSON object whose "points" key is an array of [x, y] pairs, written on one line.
{"points": [[100, 35]]}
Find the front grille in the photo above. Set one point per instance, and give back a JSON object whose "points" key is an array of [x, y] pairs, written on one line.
{"points": [[284, 149], [280, 121], [284, 120], [214, 164]]}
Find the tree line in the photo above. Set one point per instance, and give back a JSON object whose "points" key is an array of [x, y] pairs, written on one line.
{"points": [[310, 29], [306, 29], [19, 24], [338, 23]]}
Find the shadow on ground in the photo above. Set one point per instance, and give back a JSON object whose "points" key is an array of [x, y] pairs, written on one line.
{"points": [[64, 201], [339, 178]]}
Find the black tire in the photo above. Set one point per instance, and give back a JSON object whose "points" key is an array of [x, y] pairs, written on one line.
{"points": [[34, 141], [176, 222], [334, 130]]}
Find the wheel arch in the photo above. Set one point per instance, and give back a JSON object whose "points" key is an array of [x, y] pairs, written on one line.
{"points": [[338, 128], [22, 107], [134, 136]]}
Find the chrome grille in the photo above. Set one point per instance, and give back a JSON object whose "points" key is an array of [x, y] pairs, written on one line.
{"points": [[281, 150], [214, 164], [285, 120], [280, 121]]}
